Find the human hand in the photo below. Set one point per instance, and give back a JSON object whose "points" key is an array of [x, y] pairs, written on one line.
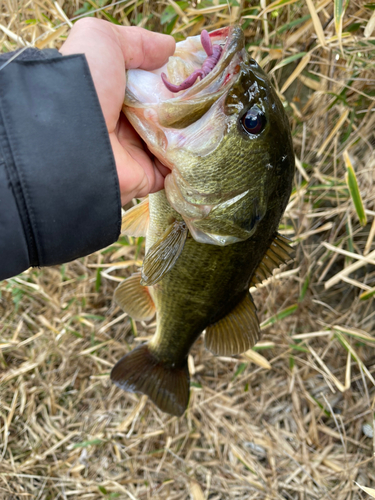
{"points": [[110, 50]]}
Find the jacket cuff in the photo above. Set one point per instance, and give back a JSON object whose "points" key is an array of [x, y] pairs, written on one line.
{"points": [[56, 163]]}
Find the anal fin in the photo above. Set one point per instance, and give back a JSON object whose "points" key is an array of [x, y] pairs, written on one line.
{"points": [[140, 371], [237, 332], [163, 255], [136, 220], [279, 252], [134, 298]]}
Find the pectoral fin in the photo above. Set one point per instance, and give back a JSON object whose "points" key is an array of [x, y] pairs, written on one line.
{"points": [[135, 299], [162, 256], [237, 332], [279, 252], [135, 221]]}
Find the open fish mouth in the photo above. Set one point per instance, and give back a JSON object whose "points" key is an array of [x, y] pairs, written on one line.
{"points": [[179, 110], [192, 59], [157, 89], [213, 55]]}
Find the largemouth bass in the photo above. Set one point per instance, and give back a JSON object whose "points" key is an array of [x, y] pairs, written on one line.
{"points": [[212, 233]]}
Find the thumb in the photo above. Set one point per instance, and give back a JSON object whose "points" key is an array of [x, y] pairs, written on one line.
{"points": [[142, 48]]}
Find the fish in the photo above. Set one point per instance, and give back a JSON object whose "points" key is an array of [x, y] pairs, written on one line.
{"points": [[213, 118]]}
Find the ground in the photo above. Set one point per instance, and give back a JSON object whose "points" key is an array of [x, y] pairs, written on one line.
{"points": [[292, 419]]}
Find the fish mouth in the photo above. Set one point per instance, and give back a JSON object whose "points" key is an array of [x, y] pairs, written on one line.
{"points": [[162, 118], [231, 40], [179, 110]]}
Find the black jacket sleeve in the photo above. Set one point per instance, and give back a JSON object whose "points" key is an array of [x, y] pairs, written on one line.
{"points": [[59, 191]]}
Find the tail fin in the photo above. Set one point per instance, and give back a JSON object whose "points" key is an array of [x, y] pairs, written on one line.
{"points": [[141, 371]]}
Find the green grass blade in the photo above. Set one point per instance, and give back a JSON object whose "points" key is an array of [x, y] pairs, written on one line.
{"points": [[288, 60], [84, 444], [367, 295], [351, 180], [305, 287], [339, 11], [281, 315]]}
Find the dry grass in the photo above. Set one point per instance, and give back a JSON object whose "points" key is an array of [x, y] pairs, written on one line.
{"points": [[292, 421]]}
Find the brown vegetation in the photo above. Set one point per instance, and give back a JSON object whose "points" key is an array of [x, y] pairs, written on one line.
{"points": [[292, 419]]}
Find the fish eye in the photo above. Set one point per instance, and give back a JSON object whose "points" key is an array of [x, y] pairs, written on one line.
{"points": [[254, 121]]}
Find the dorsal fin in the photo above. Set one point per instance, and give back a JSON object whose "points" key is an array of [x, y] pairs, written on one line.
{"points": [[135, 299], [163, 254], [237, 332], [279, 252], [135, 221]]}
